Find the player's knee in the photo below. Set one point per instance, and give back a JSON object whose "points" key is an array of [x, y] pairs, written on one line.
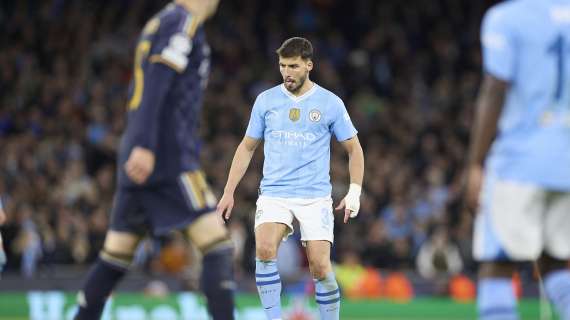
{"points": [[319, 268], [265, 250]]}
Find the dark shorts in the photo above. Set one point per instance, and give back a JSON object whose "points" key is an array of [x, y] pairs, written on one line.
{"points": [[162, 208]]}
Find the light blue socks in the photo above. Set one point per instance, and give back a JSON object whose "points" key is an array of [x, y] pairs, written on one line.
{"points": [[496, 299], [327, 296], [557, 285], [269, 287]]}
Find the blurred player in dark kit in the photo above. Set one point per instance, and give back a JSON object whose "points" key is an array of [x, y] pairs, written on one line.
{"points": [[160, 185]]}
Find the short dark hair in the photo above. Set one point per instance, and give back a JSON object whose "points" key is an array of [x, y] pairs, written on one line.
{"points": [[296, 47]]}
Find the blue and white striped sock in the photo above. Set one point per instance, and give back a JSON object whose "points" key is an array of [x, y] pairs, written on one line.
{"points": [[496, 299], [269, 287], [327, 295], [557, 285]]}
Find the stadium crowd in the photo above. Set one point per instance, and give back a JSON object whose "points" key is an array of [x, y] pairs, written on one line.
{"points": [[408, 74]]}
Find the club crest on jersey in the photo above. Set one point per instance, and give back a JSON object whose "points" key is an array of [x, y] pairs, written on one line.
{"points": [[315, 115], [294, 114]]}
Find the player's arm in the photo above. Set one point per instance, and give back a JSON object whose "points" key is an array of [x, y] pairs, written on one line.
{"points": [[351, 203], [498, 45], [240, 163], [345, 133], [164, 59], [488, 110], [141, 161], [253, 135]]}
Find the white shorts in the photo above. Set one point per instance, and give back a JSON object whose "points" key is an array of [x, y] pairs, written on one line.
{"points": [[519, 222], [315, 216]]}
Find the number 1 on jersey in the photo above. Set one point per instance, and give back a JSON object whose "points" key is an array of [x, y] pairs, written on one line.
{"points": [[558, 48]]}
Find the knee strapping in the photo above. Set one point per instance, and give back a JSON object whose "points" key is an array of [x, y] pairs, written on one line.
{"points": [[120, 260], [216, 245]]}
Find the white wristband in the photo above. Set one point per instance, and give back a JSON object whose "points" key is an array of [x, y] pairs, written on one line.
{"points": [[354, 189], [352, 199]]}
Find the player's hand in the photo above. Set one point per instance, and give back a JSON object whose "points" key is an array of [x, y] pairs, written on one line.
{"points": [[351, 202], [225, 206], [140, 164], [474, 181]]}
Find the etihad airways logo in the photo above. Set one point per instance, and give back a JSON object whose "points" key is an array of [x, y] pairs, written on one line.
{"points": [[282, 134], [293, 138]]}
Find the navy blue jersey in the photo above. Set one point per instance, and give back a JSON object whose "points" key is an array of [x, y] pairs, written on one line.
{"points": [[172, 62]]}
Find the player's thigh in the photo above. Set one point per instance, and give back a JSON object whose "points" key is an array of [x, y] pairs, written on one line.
{"points": [[206, 230], [316, 219], [119, 242], [273, 211], [268, 236], [557, 229], [509, 223]]}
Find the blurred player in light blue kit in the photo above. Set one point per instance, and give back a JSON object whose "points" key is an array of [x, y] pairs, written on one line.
{"points": [[296, 120], [519, 161]]}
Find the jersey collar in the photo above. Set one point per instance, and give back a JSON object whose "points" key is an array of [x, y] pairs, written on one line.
{"points": [[299, 98]]}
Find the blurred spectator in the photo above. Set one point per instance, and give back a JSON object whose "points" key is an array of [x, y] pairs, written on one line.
{"points": [[350, 273], [378, 249], [357, 281], [398, 220], [28, 245], [438, 258]]}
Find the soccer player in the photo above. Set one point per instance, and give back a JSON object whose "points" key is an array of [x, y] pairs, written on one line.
{"points": [[295, 120], [160, 186], [520, 153]]}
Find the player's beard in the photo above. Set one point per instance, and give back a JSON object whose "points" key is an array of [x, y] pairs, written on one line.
{"points": [[297, 84]]}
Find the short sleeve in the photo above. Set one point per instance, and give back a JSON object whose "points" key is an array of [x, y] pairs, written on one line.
{"points": [[341, 126], [256, 126], [173, 43], [498, 45]]}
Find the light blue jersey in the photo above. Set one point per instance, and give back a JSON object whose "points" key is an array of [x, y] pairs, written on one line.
{"points": [[527, 44], [297, 139]]}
